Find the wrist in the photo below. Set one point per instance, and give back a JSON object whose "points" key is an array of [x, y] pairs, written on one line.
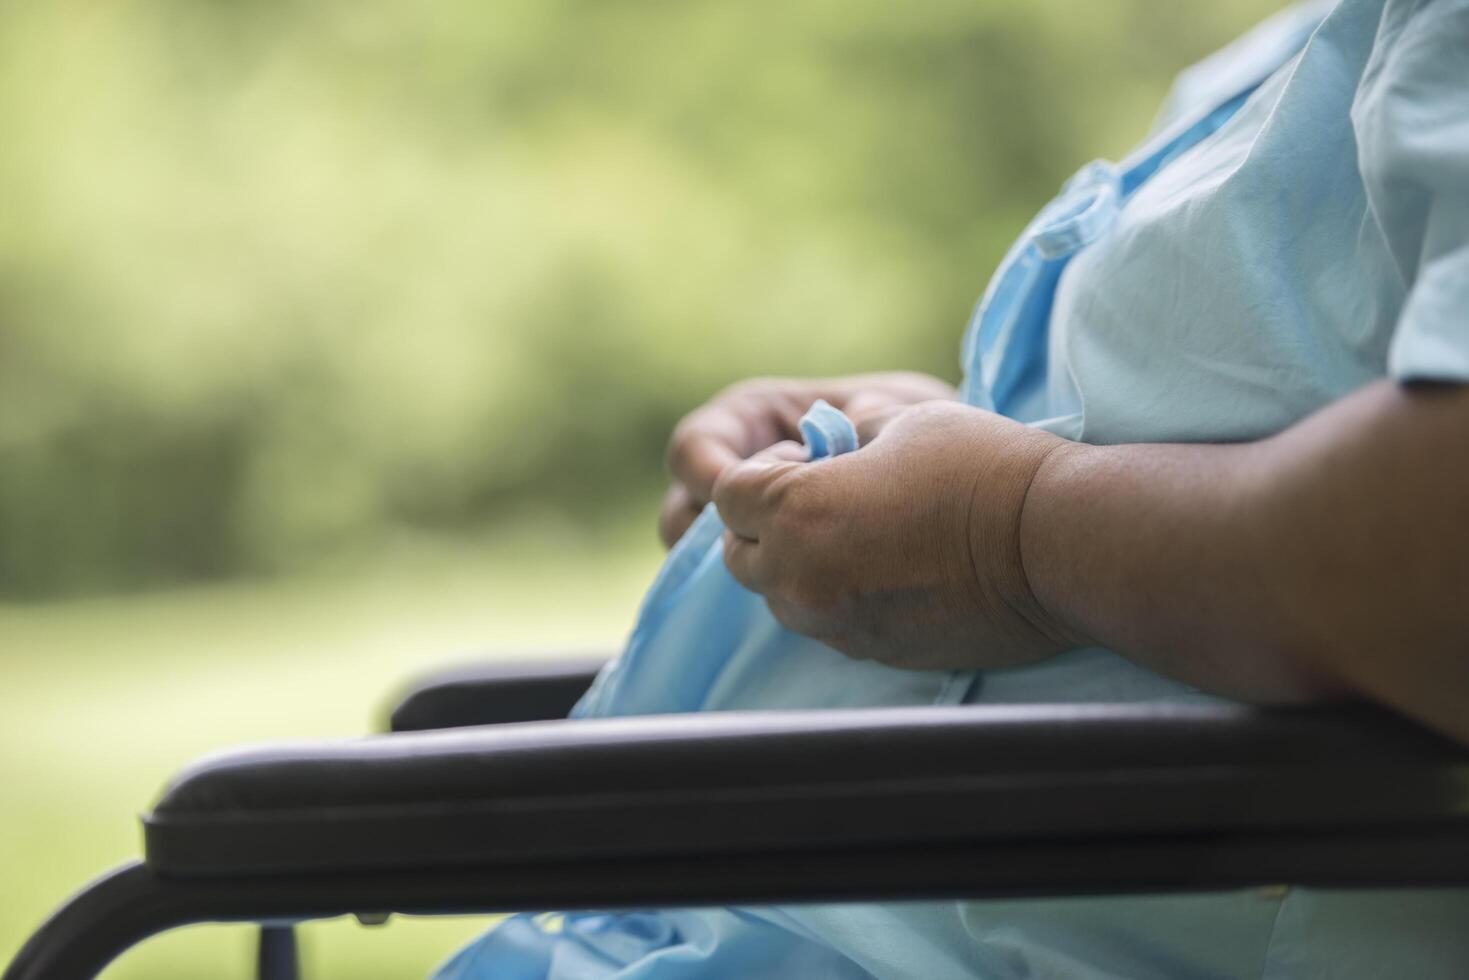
{"points": [[997, 535], [1046, 557]]}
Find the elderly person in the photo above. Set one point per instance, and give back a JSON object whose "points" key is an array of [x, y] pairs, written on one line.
{"points": [[1212, 441]]}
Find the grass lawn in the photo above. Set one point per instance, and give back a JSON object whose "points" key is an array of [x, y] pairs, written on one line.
{"points": [[104, 699]]}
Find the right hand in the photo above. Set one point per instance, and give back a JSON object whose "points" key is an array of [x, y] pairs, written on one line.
{"points": [[753, 415]]}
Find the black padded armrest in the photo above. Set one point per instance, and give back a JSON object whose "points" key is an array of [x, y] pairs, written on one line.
{"points": [[1062, 798], [495, 693]]}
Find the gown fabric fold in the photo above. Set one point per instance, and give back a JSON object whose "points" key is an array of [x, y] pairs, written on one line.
{"points": [[1297, 226]]}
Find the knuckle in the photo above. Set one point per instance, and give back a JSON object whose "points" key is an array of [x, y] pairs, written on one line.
{"points": [[935, 409], [741, 390], [675, 456], [800, 502], [733, 483], [762, 389]]}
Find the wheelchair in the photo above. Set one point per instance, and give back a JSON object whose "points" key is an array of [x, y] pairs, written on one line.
{"points": [[482, 798]]}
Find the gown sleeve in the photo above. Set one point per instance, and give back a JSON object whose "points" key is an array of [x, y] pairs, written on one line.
{"points": [[1411, 118]]}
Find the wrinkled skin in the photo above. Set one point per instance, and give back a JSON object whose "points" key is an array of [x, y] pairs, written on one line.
{"points": [[1325, 561], [906, 551]]}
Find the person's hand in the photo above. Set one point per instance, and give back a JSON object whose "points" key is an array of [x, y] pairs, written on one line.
{"points": [[907, 551], [753, 415]]}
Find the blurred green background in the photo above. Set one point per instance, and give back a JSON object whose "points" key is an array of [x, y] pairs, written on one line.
{"points": [[339, 339]]}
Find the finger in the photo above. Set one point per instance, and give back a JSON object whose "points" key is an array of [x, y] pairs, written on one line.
{"points": [[745, 562], [870, 426], [748, 492], [870, 402], [702, 447], [788, 451], [679, 511]]}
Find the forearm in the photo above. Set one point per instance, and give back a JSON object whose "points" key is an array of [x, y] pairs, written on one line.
{"points": [[1332, 557]]}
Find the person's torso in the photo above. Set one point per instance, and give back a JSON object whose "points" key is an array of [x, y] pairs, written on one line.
{"points": [[1246, 284]]}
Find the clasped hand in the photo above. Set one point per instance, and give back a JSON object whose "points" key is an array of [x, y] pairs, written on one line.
{"points": [[907, 551]]}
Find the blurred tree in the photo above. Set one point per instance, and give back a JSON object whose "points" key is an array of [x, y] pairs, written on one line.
{"points": [[275, 277]]}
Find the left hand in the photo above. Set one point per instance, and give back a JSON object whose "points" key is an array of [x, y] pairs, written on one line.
{"points": [[755, 414], [907, 551]]}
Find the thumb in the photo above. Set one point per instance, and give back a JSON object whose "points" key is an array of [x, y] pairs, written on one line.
{"points": [[740, 492]]}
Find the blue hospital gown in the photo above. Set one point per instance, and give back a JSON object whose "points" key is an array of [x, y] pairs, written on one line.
{"points": [[1296, 227]]}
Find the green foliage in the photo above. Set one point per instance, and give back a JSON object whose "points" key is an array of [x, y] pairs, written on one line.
{"points": [[276, 278], [106, 698]]}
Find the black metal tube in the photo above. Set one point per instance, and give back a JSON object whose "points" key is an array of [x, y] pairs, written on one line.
{"points": [[131, 904], [278, 958], [116, 911]]}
